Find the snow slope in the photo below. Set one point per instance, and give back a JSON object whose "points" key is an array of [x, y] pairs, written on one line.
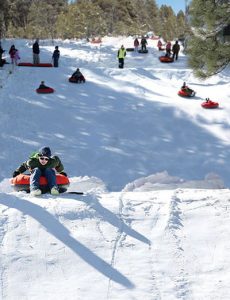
{"points": [[154, 221]]}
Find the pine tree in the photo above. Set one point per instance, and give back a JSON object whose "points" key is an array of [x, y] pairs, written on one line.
{"points": [[208, 54], [168, 23], [82, 19]]}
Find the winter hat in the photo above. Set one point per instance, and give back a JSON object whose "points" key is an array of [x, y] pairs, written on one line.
{"points": [[45, 151]]}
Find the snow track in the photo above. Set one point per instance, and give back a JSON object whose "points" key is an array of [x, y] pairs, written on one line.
{"points": [[139, 245]]}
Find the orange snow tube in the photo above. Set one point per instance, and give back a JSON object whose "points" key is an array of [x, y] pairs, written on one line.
{"points": [[22, 183]]}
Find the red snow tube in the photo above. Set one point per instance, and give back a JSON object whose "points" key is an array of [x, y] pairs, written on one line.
{"points": [[45, 91], [25, 64], [96, 41], [79, 80], [186, 94], [210, 104], [22, 183], [166, 59]]}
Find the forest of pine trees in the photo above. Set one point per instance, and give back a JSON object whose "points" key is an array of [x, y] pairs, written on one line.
{"points": [[87, 18], [203, 27]]}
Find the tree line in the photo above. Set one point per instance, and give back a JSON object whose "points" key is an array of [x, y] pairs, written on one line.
{"points": [[87, 18]]}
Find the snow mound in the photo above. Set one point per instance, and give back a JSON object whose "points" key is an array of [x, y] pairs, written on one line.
{"points": [[163, 181]]}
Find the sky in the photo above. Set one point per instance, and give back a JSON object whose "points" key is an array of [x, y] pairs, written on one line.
{"points": [[176, 5], [153, 222]]}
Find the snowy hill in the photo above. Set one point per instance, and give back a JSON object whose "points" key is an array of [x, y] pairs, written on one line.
{"points": [[154, 220]]}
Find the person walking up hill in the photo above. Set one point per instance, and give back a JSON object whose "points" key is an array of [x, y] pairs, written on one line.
{"points": [[121, 56]]}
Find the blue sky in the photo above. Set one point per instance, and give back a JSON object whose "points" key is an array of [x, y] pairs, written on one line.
{"points": [[175, 4]]}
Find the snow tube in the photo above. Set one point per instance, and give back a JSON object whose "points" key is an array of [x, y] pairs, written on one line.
{"points": [[166, 59], [143, 51], [74, 80], [25, 64], [185, 94], [96, 41], [45, 91], [129, 49], [210, 104], [22, 183]]}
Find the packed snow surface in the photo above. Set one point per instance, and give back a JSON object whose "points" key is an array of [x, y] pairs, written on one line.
{"points": [[154, 220]]}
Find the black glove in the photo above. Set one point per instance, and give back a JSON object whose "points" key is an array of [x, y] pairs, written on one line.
{"points": [[16, 173], [63, 173]]}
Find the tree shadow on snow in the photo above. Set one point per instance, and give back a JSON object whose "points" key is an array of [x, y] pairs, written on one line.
{"points": [[59, 231]]}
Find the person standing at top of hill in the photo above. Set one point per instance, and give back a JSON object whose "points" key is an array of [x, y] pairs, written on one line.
{"points": [[143, 43], [56, 55], [159, 45], [175, 50], [12, 52], [121, 54], [168, 49], [36, 52], [136, 44]]}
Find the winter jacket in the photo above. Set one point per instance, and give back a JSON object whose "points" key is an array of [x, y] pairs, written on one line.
{"points": [[144, 42], [136, 43], [56, 54], [33, 162], [176, 48], [36, 49], [121, 53], [77, 74], [168, 46], [12, 51], [16, 55], [42, 86], [159, 44]]}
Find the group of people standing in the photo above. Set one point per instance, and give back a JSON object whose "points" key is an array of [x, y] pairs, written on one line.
{"points": [[174, 50], [36, 52], [15, 57], [143, 44], [171, 51]]}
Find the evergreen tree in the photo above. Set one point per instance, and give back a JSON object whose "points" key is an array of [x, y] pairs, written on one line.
{"points": [[4, 17], [168, 23], [181, 26], [208, 54], [82, 19]]}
